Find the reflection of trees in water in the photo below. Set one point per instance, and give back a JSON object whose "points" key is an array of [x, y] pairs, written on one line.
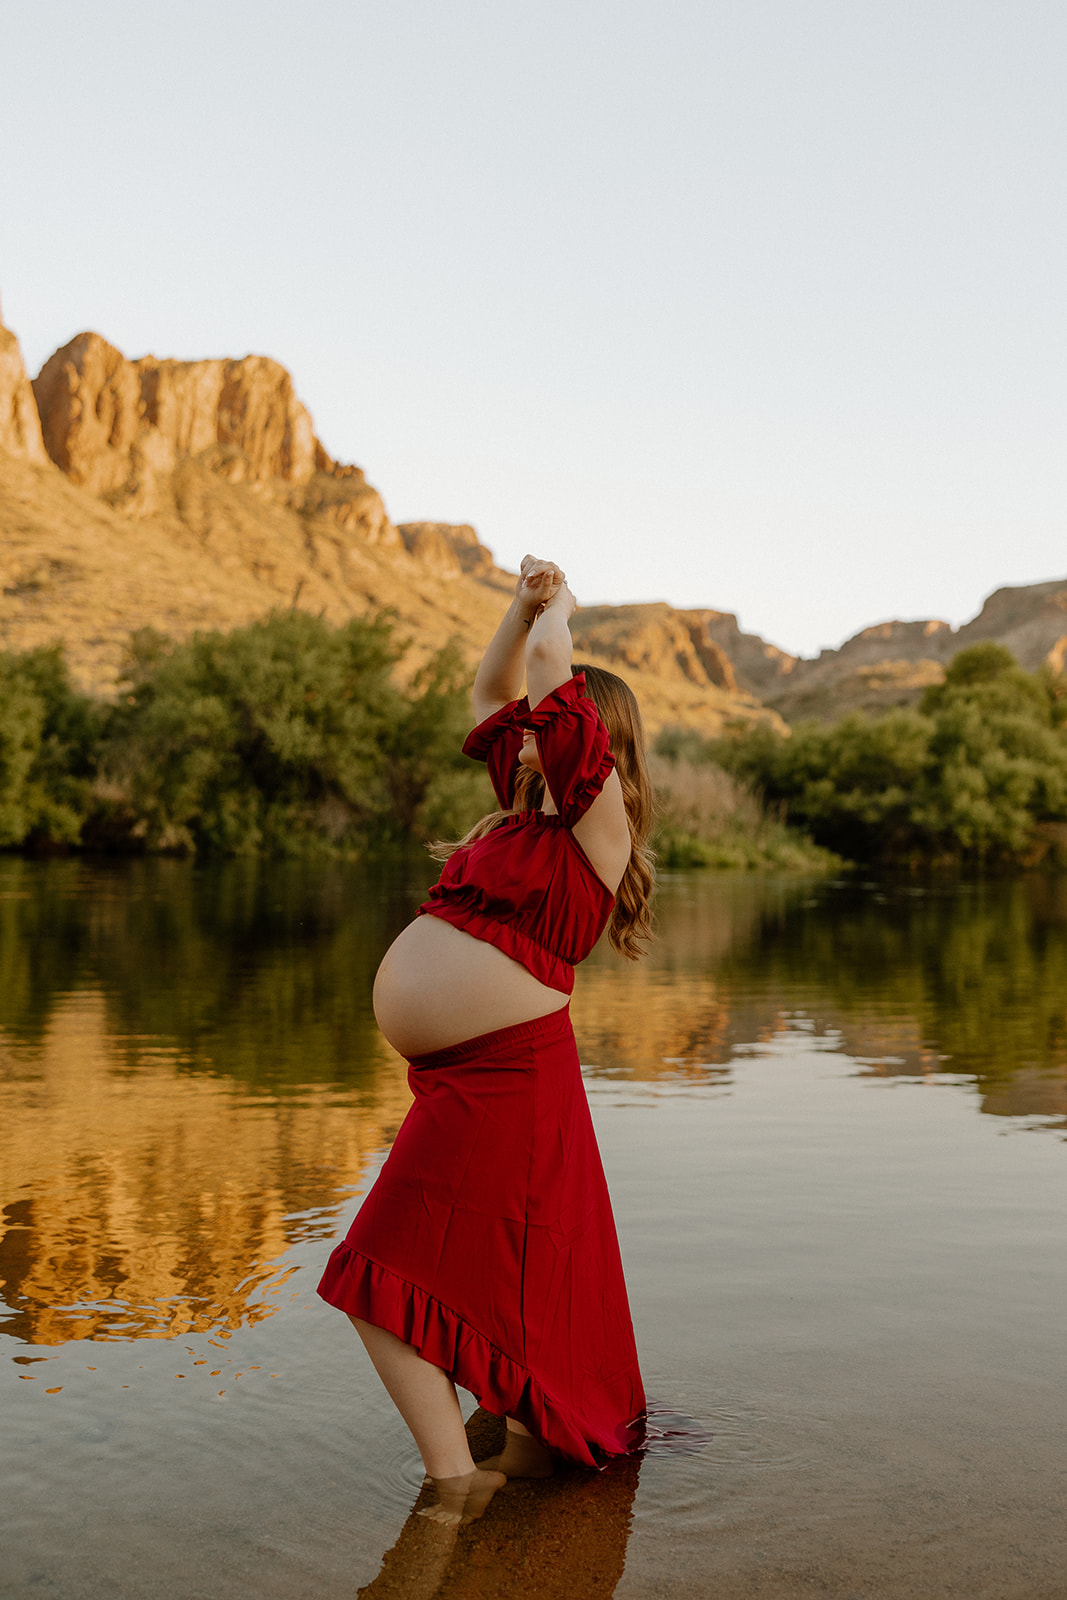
{"points": [[558, 1538], [191, 1083], [191, 1077], [261, 970], [670, 1017], [915, 979], [969, 979]]}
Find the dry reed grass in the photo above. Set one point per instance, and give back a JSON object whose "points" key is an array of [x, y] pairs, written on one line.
{"points": [[708, 818]]}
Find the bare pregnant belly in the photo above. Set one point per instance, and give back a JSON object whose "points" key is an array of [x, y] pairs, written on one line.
{"points": [[437, 986]]}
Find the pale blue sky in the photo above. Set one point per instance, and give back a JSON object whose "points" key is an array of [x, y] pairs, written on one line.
{"points": [[756, 305]]}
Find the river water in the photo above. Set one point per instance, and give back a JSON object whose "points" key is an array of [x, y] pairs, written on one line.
{"points": [[833, 1119]]}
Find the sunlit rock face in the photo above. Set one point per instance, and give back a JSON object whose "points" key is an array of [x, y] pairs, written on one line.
{"points": [[656, 644], [194, 494], [883, 666], [114, 425], [659, 639], [758, 665], [20, 427], [448, 549]]}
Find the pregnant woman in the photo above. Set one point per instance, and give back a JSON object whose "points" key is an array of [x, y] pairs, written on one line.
{"points": [[485, 1255]]}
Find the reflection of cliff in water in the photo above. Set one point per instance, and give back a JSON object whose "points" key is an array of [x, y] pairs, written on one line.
{"points": [[142, 1202], [190, 1083], [191, 1080]]}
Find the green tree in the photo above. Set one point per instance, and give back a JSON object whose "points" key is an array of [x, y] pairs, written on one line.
{"points": [[288, 736], [49, 744], [851, 785], [434, 789], [998, 756], [966, 776]]}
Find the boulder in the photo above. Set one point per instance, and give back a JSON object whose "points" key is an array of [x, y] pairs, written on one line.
{"points": [[89, 399]]}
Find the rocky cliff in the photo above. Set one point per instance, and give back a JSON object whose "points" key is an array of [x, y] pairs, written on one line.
{"points": [[891, 663], [1031, 621], [194, 494], [119, 427], [883, 666], [657, 644], [20, 426]]}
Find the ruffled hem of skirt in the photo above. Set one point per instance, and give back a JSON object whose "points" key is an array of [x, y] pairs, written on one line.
{"points": [[361, 1288]]}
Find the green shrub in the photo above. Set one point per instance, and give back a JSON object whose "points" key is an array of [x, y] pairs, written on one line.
{"points": [[49, 744], [965, 777], [287, 737]]}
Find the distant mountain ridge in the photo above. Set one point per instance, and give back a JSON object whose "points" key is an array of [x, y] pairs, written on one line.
{"points": [[195, 494], [892, 662], [885, 665]]}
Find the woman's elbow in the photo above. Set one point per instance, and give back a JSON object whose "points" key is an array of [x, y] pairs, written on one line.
{"points": [[549, 653]]}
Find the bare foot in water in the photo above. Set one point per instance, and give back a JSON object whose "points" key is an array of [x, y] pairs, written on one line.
{"points": [[462, 1500], [521, 1457]]}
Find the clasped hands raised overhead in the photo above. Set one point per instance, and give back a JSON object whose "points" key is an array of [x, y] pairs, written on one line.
{"points": [[542, 583]]}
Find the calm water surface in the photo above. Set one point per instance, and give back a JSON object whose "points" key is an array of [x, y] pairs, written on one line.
{"points": [[833, 1119]]}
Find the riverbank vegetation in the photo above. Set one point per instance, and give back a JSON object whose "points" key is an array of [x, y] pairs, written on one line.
{"points": [[288, 736], [293, 737], [707, 817], [975, 776]]}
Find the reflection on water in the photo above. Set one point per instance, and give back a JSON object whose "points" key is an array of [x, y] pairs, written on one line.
{"points": [[969, 981], [191, 1081], [190, 1084], [859, 1293], [966, 980]]}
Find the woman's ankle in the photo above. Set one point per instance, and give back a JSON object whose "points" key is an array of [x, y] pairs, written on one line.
{"points": [[448, 1464]]}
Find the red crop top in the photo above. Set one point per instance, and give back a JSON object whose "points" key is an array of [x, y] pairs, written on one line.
{"points": [[528, 887]]}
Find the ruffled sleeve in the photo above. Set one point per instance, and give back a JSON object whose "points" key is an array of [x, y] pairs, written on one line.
{"points": [[497, 741], [573, 745], [571, 741]]}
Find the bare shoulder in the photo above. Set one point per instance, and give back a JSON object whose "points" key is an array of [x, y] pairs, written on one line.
{"points": [[604, 833]]}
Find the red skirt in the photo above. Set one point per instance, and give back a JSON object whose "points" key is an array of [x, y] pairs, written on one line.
{"points": [[488, 1243]]}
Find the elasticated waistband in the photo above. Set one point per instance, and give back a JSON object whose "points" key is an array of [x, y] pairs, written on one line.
{"points": [[542, 1030]]}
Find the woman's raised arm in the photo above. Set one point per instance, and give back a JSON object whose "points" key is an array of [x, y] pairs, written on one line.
{"points": [[499, 677], [549, 649]]}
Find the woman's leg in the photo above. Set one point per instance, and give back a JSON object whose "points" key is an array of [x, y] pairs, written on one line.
{"points": [[426, 1399]]}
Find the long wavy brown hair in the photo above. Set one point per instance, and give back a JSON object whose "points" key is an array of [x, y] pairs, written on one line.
{"points": [[630, 927]]}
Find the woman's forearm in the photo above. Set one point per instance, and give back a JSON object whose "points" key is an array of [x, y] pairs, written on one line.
{"points": [[549, 648], [499, 677]]}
